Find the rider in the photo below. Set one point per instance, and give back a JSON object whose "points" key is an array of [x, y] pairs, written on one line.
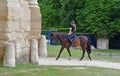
{"points": [[72, 31]]}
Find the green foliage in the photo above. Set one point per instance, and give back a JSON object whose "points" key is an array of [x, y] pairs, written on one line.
{"points": [[96, 18], [100, 17]]}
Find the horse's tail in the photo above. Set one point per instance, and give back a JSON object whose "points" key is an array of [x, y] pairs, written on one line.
{"points": [[88, 46]]}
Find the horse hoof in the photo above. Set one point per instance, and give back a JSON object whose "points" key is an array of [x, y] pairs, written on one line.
{"points": [[90, 59], [56, 58], [80, 59], [69, 58]]}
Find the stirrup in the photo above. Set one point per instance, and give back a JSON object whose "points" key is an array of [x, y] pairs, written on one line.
{"points": [[71, 45]]}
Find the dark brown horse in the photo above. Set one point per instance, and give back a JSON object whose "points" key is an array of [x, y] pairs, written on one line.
{"points": [[82, 41]]}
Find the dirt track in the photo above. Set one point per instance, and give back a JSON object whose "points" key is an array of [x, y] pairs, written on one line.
{"points": [[76, 62]]}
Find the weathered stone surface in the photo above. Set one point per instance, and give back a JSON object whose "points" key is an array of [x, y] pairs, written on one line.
{"points": [[43, 47], [9, 56], [102, 43], [23, 56], [34, 52], [3, 12], [18, 49], [2, 51], [32, 2], [25, 16], [14, 26], [17, 21], [35, 19]]}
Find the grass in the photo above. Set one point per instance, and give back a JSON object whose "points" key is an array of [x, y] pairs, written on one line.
{"points": [[76, 53], [33, 70]]}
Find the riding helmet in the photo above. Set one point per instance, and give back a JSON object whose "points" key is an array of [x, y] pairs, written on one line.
{"points": [[73, 21]]}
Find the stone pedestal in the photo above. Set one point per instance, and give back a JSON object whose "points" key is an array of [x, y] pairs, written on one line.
{"points": [[34, 52], [102, 43], [9, 56], [43, 47]]}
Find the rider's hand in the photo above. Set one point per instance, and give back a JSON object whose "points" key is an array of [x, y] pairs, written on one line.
{"points": [[69, 33]]}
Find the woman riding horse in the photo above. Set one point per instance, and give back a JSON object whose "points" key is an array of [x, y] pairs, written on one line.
{"points": [[72, 31], [82, 41]]}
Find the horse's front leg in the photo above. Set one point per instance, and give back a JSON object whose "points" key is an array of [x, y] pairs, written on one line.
{"points": [[89, 55], [60, 52], [69, 53]]}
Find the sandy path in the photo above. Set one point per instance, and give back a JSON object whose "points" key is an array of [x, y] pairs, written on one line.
{"points": [[76, 62]]}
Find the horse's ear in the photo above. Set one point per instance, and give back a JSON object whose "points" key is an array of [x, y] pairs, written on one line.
{"points": [[52, 33]]}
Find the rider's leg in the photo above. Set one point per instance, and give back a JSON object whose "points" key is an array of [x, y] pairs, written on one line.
{"points": [[69, 37]]}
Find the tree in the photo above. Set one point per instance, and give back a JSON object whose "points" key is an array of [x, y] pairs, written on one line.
{"points": [[47, 13], [96, 18], [101, 17]]}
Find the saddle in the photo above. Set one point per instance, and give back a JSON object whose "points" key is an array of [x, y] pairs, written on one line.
{"points": [[74, 41]]}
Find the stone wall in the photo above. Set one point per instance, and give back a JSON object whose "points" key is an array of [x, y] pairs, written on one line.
{"points": [[19, 21]]}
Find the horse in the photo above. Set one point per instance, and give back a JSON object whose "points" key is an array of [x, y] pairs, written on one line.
{"points": [[82, 41]]}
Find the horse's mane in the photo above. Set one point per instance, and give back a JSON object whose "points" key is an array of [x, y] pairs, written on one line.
{"points": [[60, 34]]}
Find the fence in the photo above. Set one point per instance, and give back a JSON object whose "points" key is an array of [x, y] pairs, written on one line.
{"points": [[92, 37], [114, 43]]}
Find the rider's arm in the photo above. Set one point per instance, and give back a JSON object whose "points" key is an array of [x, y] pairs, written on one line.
{"points": [[70, 32]]}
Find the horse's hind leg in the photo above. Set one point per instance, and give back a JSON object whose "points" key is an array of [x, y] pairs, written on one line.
{"points": [[60, 53], [89, 55], [82, 54]]}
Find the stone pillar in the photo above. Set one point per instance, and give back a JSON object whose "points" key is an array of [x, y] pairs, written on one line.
{"points": [[9, 57], [43, 47], [9, 22], [35, 19], [34, 52]]}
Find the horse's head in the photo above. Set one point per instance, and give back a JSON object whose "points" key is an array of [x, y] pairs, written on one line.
{"points": [[54, 36]]}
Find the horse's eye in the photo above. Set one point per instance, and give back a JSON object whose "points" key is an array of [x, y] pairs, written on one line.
{"points": [[51, 34]]}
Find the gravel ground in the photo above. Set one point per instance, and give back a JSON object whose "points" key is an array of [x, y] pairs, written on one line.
{"points": [[76, 62]]}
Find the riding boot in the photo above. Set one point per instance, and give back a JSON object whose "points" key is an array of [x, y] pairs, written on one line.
{"points": [[70, 40], [72, 44]]}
